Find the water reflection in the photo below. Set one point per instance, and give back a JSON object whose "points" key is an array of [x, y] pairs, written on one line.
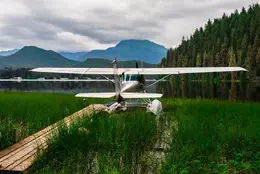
{"points": [[176, 88], [222, 90], [61, 87]]}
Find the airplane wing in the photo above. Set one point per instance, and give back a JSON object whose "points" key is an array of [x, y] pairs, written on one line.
{"points": [[144, 71], [184, 70], [93, 71], [97, 95]]}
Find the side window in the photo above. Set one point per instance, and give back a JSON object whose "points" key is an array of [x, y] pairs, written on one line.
{"points": [[127, 77], [138, 77], [122, 77], [133, 77]]}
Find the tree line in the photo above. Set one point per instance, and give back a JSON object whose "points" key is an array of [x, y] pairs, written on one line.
{"points": [[227, 41]]}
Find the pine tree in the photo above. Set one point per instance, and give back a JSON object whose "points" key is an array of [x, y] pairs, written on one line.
{"points": [[239, 58], [258, 62], [232, 62], [256, 45], [198, 61], [205, 59], [248, 62], [244, 47], [230, 40]]}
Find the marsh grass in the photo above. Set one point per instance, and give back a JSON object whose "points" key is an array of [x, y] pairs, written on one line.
{"points": [[22, 114], [215, 136], [211, 137], [108, 144]]}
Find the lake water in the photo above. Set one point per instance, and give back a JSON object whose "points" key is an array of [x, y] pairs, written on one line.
{"points": [[222, 90], [62, 87], [230, 91]]}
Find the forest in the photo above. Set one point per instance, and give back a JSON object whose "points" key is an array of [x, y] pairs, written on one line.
{"points": [[232, 40]]}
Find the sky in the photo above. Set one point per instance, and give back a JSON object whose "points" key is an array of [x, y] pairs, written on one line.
{"points": [[83, 25]]}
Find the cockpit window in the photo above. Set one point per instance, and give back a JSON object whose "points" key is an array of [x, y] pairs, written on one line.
{"points": [[134, 77], [129, 77]]}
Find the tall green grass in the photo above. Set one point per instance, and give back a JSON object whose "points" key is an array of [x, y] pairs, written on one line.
{"points": [[215, 137], [112, 143], [209, 137], [22, 114]]}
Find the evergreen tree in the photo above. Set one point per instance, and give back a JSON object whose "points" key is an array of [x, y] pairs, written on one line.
{"points": [[258, 62], [205, 59], [232, 62], [198, 61], [228, 41]]}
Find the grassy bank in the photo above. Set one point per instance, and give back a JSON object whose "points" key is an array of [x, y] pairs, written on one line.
{"points": [[22, 114], [106, 143], [212, 137], [215, 137]]}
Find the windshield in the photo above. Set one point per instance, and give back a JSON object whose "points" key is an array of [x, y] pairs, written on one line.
{"points": [[129, 77]]}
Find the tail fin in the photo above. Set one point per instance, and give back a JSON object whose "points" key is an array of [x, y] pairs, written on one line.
{"points": [[116, 77]]}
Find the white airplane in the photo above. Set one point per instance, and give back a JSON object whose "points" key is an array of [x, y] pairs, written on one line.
{"points": [[130, 82]]}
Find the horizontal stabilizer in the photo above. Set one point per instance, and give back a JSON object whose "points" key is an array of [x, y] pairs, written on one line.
{"points": [[125, 95], [140, 95], [97, 95]]}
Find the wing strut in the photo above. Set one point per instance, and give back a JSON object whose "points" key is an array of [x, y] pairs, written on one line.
{"points": [[107, 78], [157, 81]]}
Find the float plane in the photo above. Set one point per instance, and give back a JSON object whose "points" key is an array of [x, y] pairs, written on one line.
{"points": [[130, 82]]}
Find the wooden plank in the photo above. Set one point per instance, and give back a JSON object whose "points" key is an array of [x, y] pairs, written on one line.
{"points": [[21, 155]]}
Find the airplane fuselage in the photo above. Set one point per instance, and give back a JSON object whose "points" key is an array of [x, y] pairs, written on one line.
{"points": [[132, 86]]}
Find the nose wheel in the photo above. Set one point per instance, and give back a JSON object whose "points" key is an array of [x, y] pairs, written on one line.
{"points": [[116, 107]]}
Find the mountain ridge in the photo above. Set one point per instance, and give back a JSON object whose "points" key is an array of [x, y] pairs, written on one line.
{"points": [[8, 52], [32, 56], [106, 63], [132, 49], [72, 55]]}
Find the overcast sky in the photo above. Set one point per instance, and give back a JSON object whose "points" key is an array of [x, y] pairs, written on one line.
{"points": [[82, 25]]}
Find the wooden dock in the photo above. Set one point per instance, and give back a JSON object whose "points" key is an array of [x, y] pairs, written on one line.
{"points": [[21, 155]]}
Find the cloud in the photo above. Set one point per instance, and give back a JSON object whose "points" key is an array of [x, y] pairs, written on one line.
{"points": [[82, 25]]}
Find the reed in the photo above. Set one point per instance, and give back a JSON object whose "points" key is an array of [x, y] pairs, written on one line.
{"points": [[214, 137], [22, 114], [208, 136]]}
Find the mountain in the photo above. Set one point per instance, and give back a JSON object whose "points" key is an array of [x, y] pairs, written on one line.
{"points": [[228, 41], [31, 56], [131, 50], [8, 53], [72, 56], [105, 63]]}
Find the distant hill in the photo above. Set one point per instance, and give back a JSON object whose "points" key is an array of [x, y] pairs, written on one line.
{"points": [[105, 63], [126, 50], [8, 53], [31, 56], [72, 56], [131, 50]]}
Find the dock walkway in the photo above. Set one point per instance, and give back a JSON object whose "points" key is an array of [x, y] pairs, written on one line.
{"points": [[21, 155]]}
